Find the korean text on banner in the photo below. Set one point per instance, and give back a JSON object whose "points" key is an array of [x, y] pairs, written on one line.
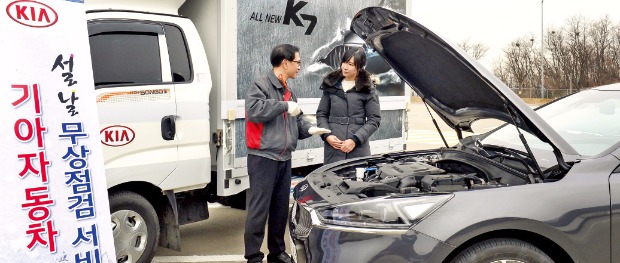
{"points": [[54, 195]]}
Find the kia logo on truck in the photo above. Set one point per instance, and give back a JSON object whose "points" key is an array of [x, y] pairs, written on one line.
{"points": [[32, 13], [117, 135]]}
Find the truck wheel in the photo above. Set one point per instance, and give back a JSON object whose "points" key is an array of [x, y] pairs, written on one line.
{"points": [[135, 227], [502, 250]]}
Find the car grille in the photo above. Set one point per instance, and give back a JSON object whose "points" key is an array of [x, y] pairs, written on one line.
{"points": [[300, 217]]}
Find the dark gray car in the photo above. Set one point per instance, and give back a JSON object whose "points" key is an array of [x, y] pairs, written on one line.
{"points": [[544, 187]]}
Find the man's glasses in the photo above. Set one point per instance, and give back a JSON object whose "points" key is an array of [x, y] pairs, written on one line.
{"points": [[296, 61]]}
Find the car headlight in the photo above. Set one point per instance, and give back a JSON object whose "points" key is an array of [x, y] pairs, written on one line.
{"points": [[383, 212]]}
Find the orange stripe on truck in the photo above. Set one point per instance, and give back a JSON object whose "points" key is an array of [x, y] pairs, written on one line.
{"points": [[112, 94]]}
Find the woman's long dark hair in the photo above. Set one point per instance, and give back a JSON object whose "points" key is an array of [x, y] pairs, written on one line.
{"points": [[358, 55]]}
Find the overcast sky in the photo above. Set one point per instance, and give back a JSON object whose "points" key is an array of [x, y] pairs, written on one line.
{"points": [[496, 23]]}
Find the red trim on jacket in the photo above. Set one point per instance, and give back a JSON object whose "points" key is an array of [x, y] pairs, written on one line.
{"points": [[286, 97], [287, 92], [253, 132]]}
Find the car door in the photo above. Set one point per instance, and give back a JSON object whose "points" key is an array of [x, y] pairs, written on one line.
{"points": [[135, 100], [614, 188]]}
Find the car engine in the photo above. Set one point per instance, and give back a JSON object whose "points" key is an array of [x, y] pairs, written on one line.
{"points": [[448, 170]]}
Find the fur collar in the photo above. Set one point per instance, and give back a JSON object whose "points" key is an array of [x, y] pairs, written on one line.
{"points": [[363, 82]]}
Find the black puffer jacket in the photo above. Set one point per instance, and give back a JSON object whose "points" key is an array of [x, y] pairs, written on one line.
{"points": [[354, 114]]}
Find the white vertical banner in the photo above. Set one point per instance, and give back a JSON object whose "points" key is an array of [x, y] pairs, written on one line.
{"points": [[53, 193]]}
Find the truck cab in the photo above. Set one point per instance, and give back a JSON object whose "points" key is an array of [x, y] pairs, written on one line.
{"points": [[152, 84]]}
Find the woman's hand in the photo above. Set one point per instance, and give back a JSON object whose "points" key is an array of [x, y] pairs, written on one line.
{"points": [[347, 146], [334, 141]]}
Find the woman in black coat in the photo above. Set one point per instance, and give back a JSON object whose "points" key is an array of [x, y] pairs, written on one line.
{"points": [[349, 107]]}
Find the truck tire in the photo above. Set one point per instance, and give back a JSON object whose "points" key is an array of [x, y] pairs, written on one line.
{"points": [[135, 227], [502, 250]]}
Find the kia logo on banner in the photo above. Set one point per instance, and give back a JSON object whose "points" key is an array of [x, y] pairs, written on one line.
{"points": [[117, 135], [32, 13]]}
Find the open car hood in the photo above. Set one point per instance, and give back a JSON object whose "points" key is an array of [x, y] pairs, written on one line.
{"points": [[450, 81]]}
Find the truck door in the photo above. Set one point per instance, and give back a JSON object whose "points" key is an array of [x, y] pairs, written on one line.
{"points": [[192, 84], [136, 102]]}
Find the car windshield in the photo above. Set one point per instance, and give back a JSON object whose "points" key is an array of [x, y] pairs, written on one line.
{"points": [[587, 120]]}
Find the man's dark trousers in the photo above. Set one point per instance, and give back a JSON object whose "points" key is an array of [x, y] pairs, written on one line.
{"points": [[270, 184]]}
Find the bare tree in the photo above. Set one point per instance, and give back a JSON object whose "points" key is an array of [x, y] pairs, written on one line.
{"points": [[579, 54], [556, 72], [614, 53], [520, 63], [476, 50], [600, 33]]}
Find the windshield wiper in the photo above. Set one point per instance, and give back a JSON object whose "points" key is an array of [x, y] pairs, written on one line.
{"points": [[527, 146]]}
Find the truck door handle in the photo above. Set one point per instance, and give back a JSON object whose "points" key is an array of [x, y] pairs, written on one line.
{"points": [[168, 128]]}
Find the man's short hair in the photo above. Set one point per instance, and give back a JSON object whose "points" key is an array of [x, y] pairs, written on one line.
{"points": [[284, 51]]}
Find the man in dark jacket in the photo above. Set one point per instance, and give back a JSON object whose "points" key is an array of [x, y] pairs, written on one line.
{"points": [[274, 123]]}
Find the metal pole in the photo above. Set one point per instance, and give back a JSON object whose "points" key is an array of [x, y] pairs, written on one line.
{"points": [[542, 53]]}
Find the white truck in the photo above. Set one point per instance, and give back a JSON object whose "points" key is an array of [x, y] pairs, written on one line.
{"points": [[170, 78]]}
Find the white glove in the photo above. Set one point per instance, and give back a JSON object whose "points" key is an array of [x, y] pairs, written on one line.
{"points": [[317, 130], [293, 108]]}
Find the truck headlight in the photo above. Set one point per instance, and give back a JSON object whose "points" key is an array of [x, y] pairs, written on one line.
{"points": [[383, 212]]}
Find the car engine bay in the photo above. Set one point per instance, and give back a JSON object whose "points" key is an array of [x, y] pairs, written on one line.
{"points": [[413, 173]]}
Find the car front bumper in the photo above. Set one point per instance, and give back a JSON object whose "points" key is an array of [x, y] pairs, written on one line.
{"points": [[313, 241]]}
